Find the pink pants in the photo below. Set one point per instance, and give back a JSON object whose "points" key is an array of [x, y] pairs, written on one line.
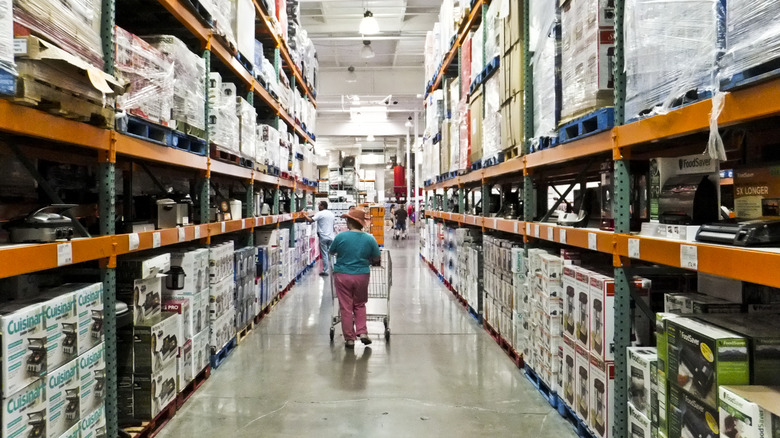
{"points": [[352, 291]]}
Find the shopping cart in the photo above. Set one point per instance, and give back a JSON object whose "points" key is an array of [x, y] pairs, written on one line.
{"points": [[378, 305]]}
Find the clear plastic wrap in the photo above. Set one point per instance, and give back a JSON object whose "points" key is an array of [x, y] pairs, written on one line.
{"points": [[669, 59], [150, 75], [247, 119], [464, 125], [7, 37], [493, 31], [587, 47], [544, 43], [477, 52], [491, 125], [74, 25], [465, 66], [224, 126], [189, 69], [221, 13], [752, 35], [242, 23]]}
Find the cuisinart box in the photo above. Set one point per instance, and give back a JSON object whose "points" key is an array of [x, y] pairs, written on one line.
{"points": [[757, 192], [25, 413], [640, 370], [143, 297], [61, 315], [93, 425], [24, 345], [689, 416], [156, 343], [62, 393], [638, 424], [702, 357], [602, 389], [151, 393], [750, 411], [89, 304], [92, 377], [73, 432]]}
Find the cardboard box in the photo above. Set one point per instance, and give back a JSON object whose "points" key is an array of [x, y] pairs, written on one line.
{"points": [[93, 425], [220, 298], [183, 308], [757, 192], [689, 416], [222, 331], [92, 378], [602, 320], [201, 351], [512, 79], [62, 321], [654, 394], [153, 392], [638, 424], [476, 116], [194, 263], [156, 343], [582, 394], [702, 357], [569, 371], [602, 388], [136, 267], [750, 411], [143, 297], [26, 411], [569, 300], [89, 304], [513, 26], [62, 393], [24, 345], [583, 308], [640, 371], [186, 370], [661, 336], [73, 432], [693, 303]]}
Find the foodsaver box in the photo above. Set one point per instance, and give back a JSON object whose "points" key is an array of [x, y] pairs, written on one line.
{"points": [[750, 411]]}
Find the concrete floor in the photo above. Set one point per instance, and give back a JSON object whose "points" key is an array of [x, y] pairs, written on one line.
{"points": [[441, 374]]}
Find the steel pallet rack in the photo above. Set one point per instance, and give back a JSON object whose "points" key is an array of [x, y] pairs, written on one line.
{"points": [[742, 106], [31, 128]]}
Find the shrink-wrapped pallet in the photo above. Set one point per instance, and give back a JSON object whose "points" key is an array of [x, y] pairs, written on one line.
{"points": [[545, 43], [223, 121], [7, 36], [247, 119], [491, 131], [753, 38]]}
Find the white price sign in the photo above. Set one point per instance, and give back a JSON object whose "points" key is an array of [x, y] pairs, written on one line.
{"points": [[528, 229], [517, 227], [562, 236], [133, 241], [593, 242], [689, 257], [197, 232], [536, 230], [551, 234], [223, 226], [156, 240], [257, 221], [243, 224], [182, 234], [633, 248], [65, 254]]}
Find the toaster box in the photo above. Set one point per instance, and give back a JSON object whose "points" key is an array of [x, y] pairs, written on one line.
{"points": [[750, 411], [189, 272], [153, 392], [156, 343], [640, 372], [602, 388], [702, 357], [569, 299], [26, 411], [93, 425], [222, 331], [569, 371], [143, 297], [62, 321], [689, 416], [582, 391], [62, 393], [24, 345], [92, 379], [183, 307], [638, 424], [201, 351], [89, 305], [186, 368], [137, 267], [582, 307]]}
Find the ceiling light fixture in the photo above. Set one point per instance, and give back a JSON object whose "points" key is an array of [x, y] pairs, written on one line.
{"points": [[370, 137], [351, 75], [369, 25], [367, 52]]}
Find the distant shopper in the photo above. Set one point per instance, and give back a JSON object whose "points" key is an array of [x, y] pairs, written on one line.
{"points": [[400, 223], [326, 222], [355, 252]]}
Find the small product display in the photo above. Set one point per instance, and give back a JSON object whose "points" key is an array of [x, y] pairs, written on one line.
{"points": [[92, 377], [62, 392], [750, 411], [24, 345], [26, 411]]}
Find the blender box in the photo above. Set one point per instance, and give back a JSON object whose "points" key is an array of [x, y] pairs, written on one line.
{"points": [[750, 411], [582, 393], [136, 267], [201, 351], [569, 299], [73, 432], [183, 307], [143, 297], [62, 393], [689, 416], [762, 333], [25, 413], [89, 305], [640, 371], [24, 345], [702, 357], [638, 424], [186, 371], [602, 321], [93, 425], [156, 343], [153, 392], [569, 371], [62, 321], [92, 379], [582, 307], [602, 388]]}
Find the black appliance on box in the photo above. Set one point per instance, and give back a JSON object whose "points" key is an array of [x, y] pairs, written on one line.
{"points": [[42, 226], [584, 206], [639, 202], [36, 363], [71, 404], [69, 341], [759, 232], [688, 200], [37, 423]]}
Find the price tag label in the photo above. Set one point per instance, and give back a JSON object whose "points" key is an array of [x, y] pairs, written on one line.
{"points": [[593, 242], [65, 254], [551, 234], [257, 221], [689, 257], [528, 229], [223, 224], [495, 222], [633, 248], [197, 232], [156, 240], [182, 234], [536, 230], [517, 227], [243, 224], [562, 236], [133, 241]]}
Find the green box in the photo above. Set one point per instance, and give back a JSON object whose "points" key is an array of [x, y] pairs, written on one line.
{"points": [[689, 416], [702, 357], [661, 342]]}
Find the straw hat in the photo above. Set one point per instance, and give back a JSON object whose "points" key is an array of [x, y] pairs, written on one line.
{"points": [[358, 215]]}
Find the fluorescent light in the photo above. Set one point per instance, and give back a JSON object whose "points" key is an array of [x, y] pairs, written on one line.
{"points": [[368, 113], [369, 25], [370, 137], [367, 52]]}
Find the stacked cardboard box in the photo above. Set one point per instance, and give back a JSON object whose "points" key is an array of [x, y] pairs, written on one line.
{"points": [[247, 122], [498, 294], [222, 307], [224, 126], [244, 277], [545, 44]]}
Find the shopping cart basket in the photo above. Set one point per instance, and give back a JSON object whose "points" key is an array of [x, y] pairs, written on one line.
{"points": [[378, 305]]}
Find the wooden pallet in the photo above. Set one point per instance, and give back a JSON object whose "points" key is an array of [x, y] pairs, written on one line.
{"points": [[243, 333], [188, 129], [193, 386], [512, 152], [148, 429]]}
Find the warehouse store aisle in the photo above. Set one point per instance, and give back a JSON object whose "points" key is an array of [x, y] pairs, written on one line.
{"points": [[441, 374]]}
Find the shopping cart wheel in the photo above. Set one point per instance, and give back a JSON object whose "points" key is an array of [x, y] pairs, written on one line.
{"points": [[387, 334], [332, 334]]}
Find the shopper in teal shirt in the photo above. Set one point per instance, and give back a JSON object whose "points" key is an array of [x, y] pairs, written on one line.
{"points": [[355, 252]]}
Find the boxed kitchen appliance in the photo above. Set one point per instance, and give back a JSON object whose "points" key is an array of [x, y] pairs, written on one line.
{"points": [[750, 411], [582, 396], [156, 343], [569, 371], [152, 393], [602, 388], [640, 362], [135, 267], [182, 307], [143, 297], [92, 378], [24, 345], [93, 425], [689, 416], [62, 392], [89, 305], [638, 424], [26, 412], [62, 320]]}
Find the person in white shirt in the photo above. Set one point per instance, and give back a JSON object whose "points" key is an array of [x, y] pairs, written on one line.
{"points": [[326, 222]]}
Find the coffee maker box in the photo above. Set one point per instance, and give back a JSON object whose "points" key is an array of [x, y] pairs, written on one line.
{"points": [[702, 357], [582, 308], [689, 416], [183, 307], [92, 379], [602, 388], [750, 411], [24, 345], [93, 425], [582, 392], [143, 297], [602, 321], [569, 300], [638, 424], [156, 343], [640, 371], [569, 371], [153, 392], [62, 320], [62, 393], [26, 411], [89, 305]]}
